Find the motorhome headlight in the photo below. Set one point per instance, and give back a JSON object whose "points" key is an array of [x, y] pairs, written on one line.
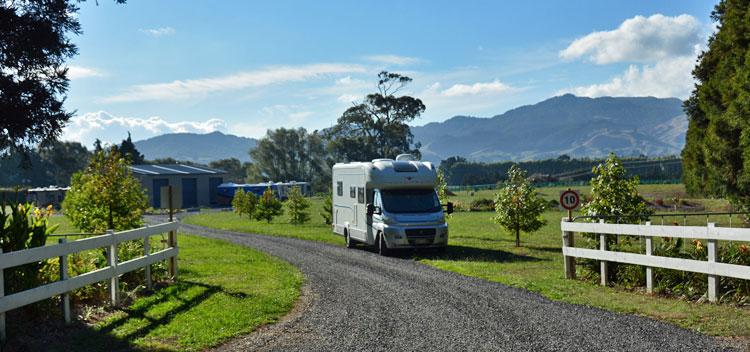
{"points": [[392, 232]]}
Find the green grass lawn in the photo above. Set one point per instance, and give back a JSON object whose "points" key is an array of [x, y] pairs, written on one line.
{"points": [[223, 291], [479, 248], [315, 230]]}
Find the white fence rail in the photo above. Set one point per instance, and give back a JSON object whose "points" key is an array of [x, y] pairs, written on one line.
{"points": [[710, 233], [110, 241]]}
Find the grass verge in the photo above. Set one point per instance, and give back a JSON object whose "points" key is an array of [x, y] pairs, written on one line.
{"points": [[223, 291]]}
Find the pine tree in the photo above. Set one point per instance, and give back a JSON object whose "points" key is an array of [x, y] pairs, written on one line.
{"points": [[716, 158], [518, 205], [297, 206], [268, 206], [327, 211]]}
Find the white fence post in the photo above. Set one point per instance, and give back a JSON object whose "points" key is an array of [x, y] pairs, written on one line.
{"points": [[649, 270], [114, 283], [2, 293], [603, 263], [147, 252], [712, 279], [568, 262], [64, 276]]}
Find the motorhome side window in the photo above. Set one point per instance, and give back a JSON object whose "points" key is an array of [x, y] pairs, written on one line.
{"points": [[340, 188], [361, 195], [352, 191]]}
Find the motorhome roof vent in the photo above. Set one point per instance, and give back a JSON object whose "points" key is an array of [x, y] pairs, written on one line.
{"points": [[405, 157], [404, 166]]}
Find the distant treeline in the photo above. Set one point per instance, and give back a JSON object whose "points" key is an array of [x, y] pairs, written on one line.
{"points": [[459, 171]]}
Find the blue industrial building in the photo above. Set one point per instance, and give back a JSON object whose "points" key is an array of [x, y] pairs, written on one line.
{"points": [[197, 185]]}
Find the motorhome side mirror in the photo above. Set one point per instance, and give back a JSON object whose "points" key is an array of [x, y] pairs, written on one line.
{"points": [[449, 208], [370, 209]]}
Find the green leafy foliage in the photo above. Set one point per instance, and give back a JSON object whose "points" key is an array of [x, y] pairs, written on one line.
{"points": [[22, 226], [238, 202], [105, 195], [378, 127], [290, 155], [297, 206], [614, 195], [716, 156], [518, 206], [244, 203], [327, 210], [268, 206]]}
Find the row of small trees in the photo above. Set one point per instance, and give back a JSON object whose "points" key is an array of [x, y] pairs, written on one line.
{"points": [[267, 206]]}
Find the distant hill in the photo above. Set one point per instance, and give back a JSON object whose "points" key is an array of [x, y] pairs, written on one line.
{"points": [[199, 148], [577, 126]]}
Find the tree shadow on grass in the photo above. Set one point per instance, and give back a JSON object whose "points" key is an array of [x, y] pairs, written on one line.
{"points": [[474, 254], [104, 336]]}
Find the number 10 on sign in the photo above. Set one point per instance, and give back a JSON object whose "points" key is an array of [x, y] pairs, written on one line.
{"points": [[570, 200]]}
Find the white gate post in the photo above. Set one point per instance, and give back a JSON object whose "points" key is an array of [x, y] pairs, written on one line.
{"points": [[568, 262], [114, 283], [649, 270], [147, 252], [712, 279], [603, 263], [64, 276]]}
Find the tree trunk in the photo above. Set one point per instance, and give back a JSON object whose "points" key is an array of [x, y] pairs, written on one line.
{"points": [[518, 237]]}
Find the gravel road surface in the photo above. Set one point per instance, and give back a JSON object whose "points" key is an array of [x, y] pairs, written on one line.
{"points": [[356, 300]]}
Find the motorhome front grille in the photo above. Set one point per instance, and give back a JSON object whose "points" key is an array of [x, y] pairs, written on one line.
{"points": [[420, 233]]}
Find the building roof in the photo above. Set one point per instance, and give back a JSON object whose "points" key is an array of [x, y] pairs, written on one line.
{"points": [[173, 169], [48, 189]]}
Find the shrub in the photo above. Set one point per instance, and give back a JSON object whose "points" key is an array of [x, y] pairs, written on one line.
{"points": [[22, 226], [105, 195], [238, 202], [482, 204], [327, 211], [297, 205], [268, 206], [518, 206]]}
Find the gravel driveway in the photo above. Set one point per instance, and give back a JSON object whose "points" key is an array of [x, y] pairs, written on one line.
{"points": [[356, 300]]}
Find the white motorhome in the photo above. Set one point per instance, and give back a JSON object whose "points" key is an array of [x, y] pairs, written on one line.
{"points": [[389, 203]]}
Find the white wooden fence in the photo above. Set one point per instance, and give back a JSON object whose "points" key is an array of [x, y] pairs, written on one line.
{"points": [[710, 233], [66, 284]]}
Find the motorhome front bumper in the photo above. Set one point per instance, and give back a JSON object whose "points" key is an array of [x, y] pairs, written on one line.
{"points": [[416, 236]]}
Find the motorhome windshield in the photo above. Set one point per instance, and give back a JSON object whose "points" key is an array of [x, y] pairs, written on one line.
{"points": [[410, 201]]}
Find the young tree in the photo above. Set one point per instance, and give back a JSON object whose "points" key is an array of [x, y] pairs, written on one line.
{"points": [[105, 195], [327, 211], [297, 206], [518, 206], [238, 202], [250, 204], [35, 44], [615, 196], [378, 127], [268, 206], [716, 160], [442, 187]]}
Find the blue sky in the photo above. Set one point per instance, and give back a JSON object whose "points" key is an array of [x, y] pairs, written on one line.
{"points": [[241, 67]]}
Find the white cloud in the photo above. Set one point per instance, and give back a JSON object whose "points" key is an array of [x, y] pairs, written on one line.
{"points": [[349, 98], [639, 39], [110, 128], [187, 89], [158, 32], [666, 78], [394, 59], [78, 72], [479, 88]]}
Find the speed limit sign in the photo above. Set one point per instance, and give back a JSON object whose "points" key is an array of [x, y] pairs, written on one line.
{"points": [[569, 199]]}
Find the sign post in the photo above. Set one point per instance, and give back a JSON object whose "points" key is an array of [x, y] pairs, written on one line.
{"points": [[570, 200]]}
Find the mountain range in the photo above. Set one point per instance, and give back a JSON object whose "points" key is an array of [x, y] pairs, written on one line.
{"points": [[198, 148], [567, 124]]}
